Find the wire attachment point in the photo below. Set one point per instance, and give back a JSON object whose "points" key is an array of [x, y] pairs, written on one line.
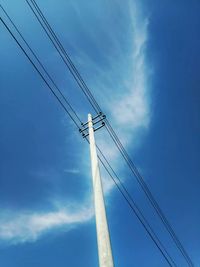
{"points": [[97, 120]]}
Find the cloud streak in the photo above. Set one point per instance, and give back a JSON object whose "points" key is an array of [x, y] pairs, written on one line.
{"points": [[131, 110], [28, 226], [128, 109]]}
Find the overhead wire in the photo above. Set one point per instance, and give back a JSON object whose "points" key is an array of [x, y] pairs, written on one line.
{"points": [[133, 205], [40, 63], [66, 54], [158, 210], [148, 193], [38, 71], [39, 14], [63, 55]]}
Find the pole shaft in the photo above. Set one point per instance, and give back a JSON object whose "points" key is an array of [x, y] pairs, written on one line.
{"points": [[103, 238]]}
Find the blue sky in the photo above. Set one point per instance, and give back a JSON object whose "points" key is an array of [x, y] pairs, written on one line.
{"points": [[141, 61]]}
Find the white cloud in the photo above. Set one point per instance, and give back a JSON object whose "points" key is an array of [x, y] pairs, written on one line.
{"points": [[29, 226], [131, 110], [128, 109], [72, 171]]}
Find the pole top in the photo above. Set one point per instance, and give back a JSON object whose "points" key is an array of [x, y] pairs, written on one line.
{"points": [[96, 120], [89, 117]]}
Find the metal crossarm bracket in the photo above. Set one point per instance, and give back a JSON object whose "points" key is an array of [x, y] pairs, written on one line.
{"points": [[97, 120], [103, 124]]}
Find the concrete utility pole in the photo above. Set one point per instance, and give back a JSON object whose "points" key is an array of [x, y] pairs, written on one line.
{"points": [[103, 238]]}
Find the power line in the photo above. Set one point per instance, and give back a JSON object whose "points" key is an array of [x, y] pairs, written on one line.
{"points": [[134, 207], [39, 15], [64, 56], [148, 193], [38, 71], [40, 63], [137, 212]]}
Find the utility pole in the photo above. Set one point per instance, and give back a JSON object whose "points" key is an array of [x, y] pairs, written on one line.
{"points": [[103, 237]]}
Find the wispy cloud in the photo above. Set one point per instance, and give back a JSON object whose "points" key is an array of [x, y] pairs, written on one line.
{"points": [[128, 109], [29, 226], [72, 171], [131, 109]]}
